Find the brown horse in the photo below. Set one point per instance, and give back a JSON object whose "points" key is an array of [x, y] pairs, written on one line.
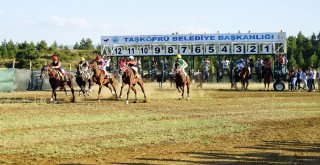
{"points": [[99, 77], [266, 78], [243, 77], [55, 82], [129, 78], [182, 81]]}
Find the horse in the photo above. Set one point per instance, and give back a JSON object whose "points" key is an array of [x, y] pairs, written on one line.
{"points": [[266, 78], [182, 81], [129, 78], [198, 80], [55, 82], [242, 77], [82, 78], [99, 77]]}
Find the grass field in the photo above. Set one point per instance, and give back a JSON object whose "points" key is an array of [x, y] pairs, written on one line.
{"points": [[216, 126]]}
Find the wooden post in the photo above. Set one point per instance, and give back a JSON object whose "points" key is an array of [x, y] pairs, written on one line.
{"points": [[69, 66], [13, 63], [30, 64]]}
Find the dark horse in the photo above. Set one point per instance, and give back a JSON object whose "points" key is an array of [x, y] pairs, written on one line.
{"points": [[182, 81], [243, 77], [266, 78], [55, 81], [129, 78], [99, 77], [82, 78]]}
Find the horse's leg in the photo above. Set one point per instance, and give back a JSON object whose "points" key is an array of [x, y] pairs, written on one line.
{"points": [[135, 93], [65, 90], [121, 90], [72, 90], [142, 88], [188, 88], [114, 89], [127, 101], [90, 84], [247, 85], [182, 89], [100, 86], [112, 92]]}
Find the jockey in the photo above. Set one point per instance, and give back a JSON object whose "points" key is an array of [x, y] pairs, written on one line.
{"points": [[100, 62], [83, 66], [101, 65], [183, 64], [55, 64], [133, 65], [240, 64]]}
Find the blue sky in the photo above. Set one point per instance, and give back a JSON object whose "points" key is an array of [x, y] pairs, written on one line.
{"points": [[67, 21]]}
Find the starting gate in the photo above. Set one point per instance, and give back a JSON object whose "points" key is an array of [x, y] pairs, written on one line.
{"points": [[227, 44]]}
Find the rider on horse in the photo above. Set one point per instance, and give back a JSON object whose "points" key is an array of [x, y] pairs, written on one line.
{"points": [[101, 65], [133, 65], [55, 64], [183, 64], [83, 66]]}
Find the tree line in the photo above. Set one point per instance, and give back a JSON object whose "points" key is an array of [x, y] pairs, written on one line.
{"points": [[302, 51]]}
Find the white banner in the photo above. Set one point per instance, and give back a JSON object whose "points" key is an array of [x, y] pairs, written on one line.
{"points": [[193, 38]]}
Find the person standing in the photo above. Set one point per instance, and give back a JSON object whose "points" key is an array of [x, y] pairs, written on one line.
{"points": [[309, 79], [108, 68], [293, 78], [314, 78], [225, 67], [205, 72], [258, 69], [299, 78]]}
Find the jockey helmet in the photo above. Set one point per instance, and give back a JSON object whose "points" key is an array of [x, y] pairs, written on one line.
{"points": [[178, 56], [83, 59], [54, 58], [131, 57], [98, 57]]}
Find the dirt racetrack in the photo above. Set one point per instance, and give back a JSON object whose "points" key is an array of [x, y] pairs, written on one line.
{"points": [[216, 126]]}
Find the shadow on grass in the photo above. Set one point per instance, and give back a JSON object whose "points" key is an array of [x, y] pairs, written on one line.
{"points": [[269, 152]]}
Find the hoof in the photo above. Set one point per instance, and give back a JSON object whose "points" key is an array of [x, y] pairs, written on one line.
{"points": [[135, 101], [145, 101], [127, 102], [51, 99], [188, 98], [98, 100]]}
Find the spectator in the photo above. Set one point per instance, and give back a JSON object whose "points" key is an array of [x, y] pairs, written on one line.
{"points": [[314, 78], [299, 78], [258, 68], [108, 69], [292, 78], [318, 73], [304, 79], [206, 64], [309, 79]]}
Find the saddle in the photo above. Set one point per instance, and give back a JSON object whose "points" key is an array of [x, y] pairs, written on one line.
{"points": [[62, 76]]}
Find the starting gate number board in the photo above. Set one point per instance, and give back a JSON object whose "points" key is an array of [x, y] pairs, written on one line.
{"points": [[194, 44]]}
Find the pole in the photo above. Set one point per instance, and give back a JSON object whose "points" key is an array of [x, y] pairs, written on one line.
{"points": [[30, 64], [13, 63]]}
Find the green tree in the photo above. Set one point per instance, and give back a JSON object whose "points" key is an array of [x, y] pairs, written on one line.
{"points": [[4, 50], [89, 45], [12, 49], [300, 59], [292, 62], [54, 46], [313, 60], [42, 46], [76, 46], [26, 54]]}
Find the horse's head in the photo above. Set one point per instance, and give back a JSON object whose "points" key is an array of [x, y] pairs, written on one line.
{"points": [[44, 71]]}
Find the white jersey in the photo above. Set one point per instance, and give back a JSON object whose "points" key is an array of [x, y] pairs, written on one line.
{"points": [[225, 64]]}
